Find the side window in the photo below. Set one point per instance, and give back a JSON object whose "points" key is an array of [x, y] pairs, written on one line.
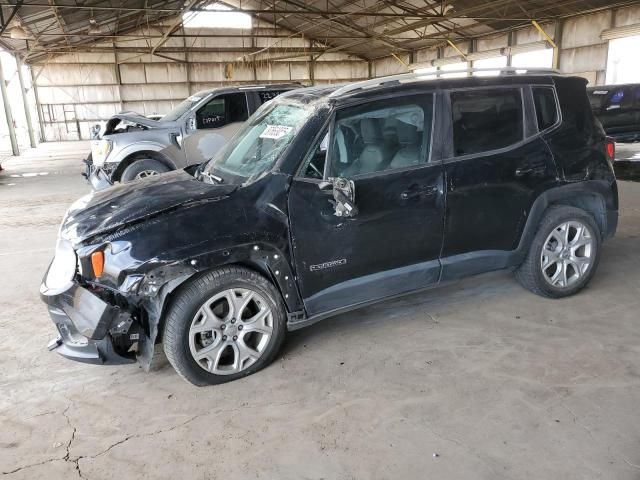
{"points": [[313, 166], [637, 96], [222, 110], [265, 96], [620, 98], [382, 135], [485, 120], [546, 109]]}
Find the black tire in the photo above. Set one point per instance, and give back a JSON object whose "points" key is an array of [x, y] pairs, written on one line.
{"points": [[530, 274], [142, 165], [188, 301]]}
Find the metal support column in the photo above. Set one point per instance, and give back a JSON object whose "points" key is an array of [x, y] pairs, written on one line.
{"points": [[7, 112], [557, 43], [43, 137], [25, 102]]}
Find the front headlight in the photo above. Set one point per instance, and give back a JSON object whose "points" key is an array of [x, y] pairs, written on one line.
{"points": [[100, 150], [63, 267]]}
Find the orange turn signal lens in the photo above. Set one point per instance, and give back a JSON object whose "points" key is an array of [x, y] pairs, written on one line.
{"points": [[97, 263]]}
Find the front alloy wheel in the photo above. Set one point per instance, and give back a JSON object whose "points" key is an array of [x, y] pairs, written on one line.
{"points": [[224, 324], [231, 330]]}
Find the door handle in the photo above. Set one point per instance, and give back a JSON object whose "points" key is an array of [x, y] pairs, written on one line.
{"points": [[419, 192]]}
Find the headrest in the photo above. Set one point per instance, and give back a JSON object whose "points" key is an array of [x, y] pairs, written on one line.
{"points": [[371, 131], [407, 134]]}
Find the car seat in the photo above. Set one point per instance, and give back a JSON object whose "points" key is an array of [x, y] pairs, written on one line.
{"points": [[409, 153]]}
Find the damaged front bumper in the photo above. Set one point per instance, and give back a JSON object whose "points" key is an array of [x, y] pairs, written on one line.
{"points": [[98, 177], [90, 330]]}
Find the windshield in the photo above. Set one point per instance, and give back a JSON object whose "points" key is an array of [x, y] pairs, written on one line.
{"points": [[182, 108], [260, 141]]}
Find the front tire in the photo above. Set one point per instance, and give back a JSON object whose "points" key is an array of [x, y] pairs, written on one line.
{"points": [[143, 168], [224, 325], [563, 255]]}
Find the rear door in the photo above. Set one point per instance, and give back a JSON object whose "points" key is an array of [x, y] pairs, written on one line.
{"points": [[213, 124], [392, 244], [497, 165]]}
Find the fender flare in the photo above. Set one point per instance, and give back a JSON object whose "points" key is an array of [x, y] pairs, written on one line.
{"points": [[593, 196], [159, 284]]}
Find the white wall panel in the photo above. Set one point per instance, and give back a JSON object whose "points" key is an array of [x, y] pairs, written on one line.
{"points": [[166, 72], [59, 74], [586, 59], [492, 43], [585, 30], [167, 91], [627, 16]]}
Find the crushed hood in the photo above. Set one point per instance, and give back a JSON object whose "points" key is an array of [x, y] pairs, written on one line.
{"points": [[135, 119], [112, 208]]}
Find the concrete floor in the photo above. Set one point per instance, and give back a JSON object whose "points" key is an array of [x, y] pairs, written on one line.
{"points": [[477, 380]]}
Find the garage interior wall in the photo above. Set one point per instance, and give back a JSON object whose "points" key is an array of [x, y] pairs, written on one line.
{"points": [[77, 90]]}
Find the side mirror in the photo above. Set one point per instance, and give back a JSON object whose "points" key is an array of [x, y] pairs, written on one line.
{"points": [[191, 124], [344, 196]]}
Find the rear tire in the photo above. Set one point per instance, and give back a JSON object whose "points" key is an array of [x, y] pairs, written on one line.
{"points": [[224, 325], [145, 167], [563, 255]]}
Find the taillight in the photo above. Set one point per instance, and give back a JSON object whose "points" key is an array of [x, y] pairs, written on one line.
{"points": [[610, 149]]}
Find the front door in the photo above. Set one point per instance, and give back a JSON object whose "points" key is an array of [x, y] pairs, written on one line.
{"points": [[392, 245], [213, 125]]}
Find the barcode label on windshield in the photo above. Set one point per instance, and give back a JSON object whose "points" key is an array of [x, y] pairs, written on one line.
{"points": [[275, 131]]}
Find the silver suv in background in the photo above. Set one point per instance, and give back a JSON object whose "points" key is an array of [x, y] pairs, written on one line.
{"points": [[130, 146]]}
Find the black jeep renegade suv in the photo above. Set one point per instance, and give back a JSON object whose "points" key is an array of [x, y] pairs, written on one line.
{"points": [[328, 199]]}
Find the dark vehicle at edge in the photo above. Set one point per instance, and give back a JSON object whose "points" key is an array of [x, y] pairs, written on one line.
{"points": [[329, 199], [617, 107]]}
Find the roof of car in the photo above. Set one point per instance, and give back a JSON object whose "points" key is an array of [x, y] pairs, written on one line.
{"points": [[406, 82], [610, 87], [241, 88]]}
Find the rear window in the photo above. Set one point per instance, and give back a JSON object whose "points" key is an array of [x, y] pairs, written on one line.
{"points": [[546, 109], [597, 98], [485, 120], [265, 96]]}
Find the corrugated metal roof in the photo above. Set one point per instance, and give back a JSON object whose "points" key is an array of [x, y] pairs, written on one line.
{"points": [[365, 28]]}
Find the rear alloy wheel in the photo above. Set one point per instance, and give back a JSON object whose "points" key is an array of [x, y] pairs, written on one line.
{"points": [[563, 255], [567, 254], [143, 168], [223, 325]]}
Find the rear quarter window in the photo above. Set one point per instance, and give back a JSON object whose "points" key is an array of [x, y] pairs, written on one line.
{"points": [[544, 99]]}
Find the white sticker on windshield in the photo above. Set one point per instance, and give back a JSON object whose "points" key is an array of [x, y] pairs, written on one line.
{"points": [[275, 131], [194, 98], [600, 92]]}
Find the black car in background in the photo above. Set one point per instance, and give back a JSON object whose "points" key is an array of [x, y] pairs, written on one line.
{"points": [[328, 199], [618, 109]]}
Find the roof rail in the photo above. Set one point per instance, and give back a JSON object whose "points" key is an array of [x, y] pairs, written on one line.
{"points": [[416, 77]]}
